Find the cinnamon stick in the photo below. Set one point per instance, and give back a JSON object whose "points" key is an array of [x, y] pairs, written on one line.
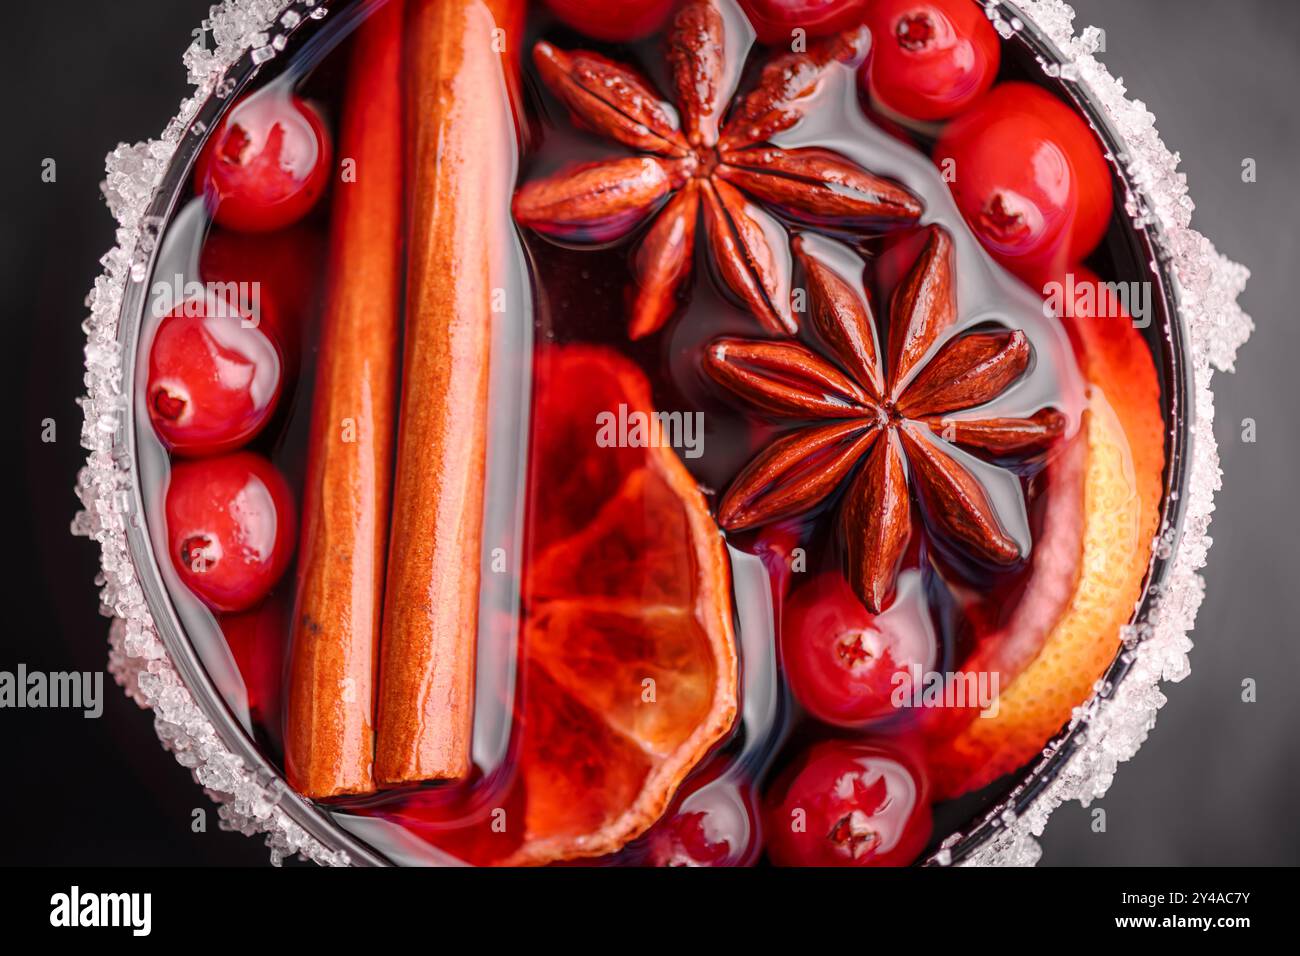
{"points": [[461, 146], [329, 732]]}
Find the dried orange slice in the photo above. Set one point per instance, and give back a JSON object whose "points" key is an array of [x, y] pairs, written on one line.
{"points": [[1122, 486], [629, 659]]}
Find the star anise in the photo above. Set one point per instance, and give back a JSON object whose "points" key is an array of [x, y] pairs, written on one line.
{"points": [[895, 419], [701, 164]]}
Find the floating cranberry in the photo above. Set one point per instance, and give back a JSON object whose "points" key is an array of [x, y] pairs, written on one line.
{"points": [[615, 22], [849, 804], [257, 641], [281, 269], [1030, 179], [930, 59], [776, 20], [267, 163], [844, 664], [214, 378], [713, 825], [230, 528]]}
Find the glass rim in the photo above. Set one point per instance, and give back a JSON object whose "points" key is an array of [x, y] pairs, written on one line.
{"points": [[1177, 385]]}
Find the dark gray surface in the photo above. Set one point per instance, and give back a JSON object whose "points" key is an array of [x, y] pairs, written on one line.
{"points": [[1218, 782]]}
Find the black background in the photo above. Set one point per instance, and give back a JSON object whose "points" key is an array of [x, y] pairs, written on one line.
{"points": [[1218, 782]]}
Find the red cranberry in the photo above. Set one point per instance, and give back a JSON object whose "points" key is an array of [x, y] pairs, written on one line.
{"points": [[849, 804], [256, 639], [713, 825], [266, 164], [213, 379], [1029, 177], [776, 20], [282, 268], [230, 528], [843, 663], [930, 59], [616, 22]]}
